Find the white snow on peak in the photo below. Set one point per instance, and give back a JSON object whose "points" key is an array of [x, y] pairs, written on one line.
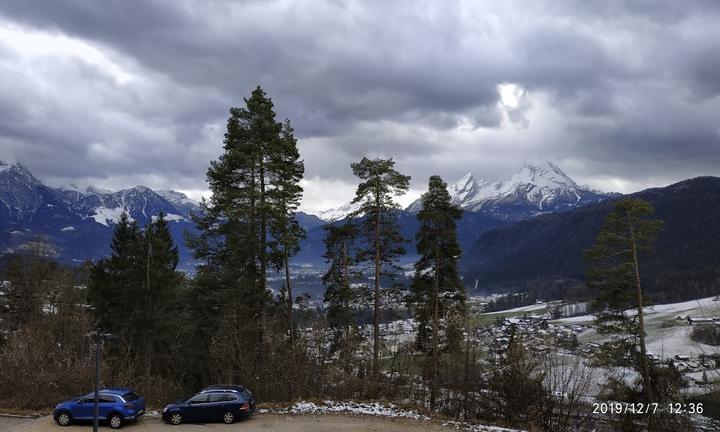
{"points": [[542, 174], [464, 187], [540, 184], [175, 197], [338, 213], [104, 215]]}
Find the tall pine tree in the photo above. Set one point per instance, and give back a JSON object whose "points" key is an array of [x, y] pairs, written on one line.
{"points": [[625, 236], [340, 296], [437, 290], [162, 284], [284, 197], [379, 228], [245, 229]]}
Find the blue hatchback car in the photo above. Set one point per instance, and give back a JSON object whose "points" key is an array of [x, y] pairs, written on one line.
{"points": [[116, 405], [225, 403]]}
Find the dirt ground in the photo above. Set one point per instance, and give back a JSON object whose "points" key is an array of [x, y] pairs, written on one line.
{"points": [[257, 423]]}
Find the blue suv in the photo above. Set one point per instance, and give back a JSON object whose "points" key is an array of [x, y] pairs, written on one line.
{"points": [[225, 403], [115, 405]]}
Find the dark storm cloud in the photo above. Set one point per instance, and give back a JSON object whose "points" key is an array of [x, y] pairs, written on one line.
{"points": [[621, 89]]}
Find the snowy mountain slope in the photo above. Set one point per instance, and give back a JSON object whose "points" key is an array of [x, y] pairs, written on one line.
{"points": [[537, 188], [79, 222], [139, 202], [336, 214]]}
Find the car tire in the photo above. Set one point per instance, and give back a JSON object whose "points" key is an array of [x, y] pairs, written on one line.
{"points": [[64, 418], [228, 418], [115, 421], [175, 418]]}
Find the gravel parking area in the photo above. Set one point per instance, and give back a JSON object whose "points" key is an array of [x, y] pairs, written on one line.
{"points": [[9, 422], [257, 423]]}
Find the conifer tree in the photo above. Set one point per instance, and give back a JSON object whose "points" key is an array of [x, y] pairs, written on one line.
{"points": [[162, 285], [246, 228], [437, 290], [284, 197], [117, 282], [134, 293], [339, 294], [379, 228], [626, 234]]}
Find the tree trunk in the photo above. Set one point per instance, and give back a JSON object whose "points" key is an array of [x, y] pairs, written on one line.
{"points": [[466, 370], [436, 300], [288, 290], [644, 366], [263, 229], [346, 308], [376, 308]]}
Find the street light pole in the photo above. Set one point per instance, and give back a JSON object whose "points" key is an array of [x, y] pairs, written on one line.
{"points": [[100, 339]]}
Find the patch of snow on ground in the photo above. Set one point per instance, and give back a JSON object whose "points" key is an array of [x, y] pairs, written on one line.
{"points": [[171, 217], [103, 215], [529, 308], [375, 408]]}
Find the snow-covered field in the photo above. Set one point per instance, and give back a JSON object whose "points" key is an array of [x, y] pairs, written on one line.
{"points": [[667, 332], [529, 308]]}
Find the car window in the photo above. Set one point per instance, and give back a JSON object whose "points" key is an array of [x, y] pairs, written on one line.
{"points": [[229, 397], [200, 398], [217, 397], [106, 399], [129, 397]]}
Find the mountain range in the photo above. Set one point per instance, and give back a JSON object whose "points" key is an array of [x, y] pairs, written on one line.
{"points": [[537, 188], [79, 222]]}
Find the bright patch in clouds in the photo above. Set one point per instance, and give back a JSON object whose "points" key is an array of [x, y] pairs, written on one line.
{"points": [[510, 95], [30, 43]]}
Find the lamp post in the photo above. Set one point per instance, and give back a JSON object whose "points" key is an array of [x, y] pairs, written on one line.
{"points": [[100, 339]]}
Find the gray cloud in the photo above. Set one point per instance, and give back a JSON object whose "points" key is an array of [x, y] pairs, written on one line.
{"points": [[626, 91]]}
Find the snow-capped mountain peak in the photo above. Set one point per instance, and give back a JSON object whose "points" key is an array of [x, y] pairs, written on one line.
{"points": [[538, 187], [464, 187], [542, 174], [17, 171], [338, 213]]}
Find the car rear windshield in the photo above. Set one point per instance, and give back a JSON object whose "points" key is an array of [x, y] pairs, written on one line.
{"points": [[129, 397]]}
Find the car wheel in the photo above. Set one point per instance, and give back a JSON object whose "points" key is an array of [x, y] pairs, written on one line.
{"points": [[228, 417], [175, 418], [64, 419], [115, 421]]}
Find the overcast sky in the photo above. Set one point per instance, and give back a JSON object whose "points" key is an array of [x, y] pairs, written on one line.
{"points": [[621, 95]]}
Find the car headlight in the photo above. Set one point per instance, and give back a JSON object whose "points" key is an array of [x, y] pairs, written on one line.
{"points": [[165, 409]]}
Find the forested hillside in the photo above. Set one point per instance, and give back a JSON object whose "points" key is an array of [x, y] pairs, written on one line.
{"points": [[549, 249]]}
